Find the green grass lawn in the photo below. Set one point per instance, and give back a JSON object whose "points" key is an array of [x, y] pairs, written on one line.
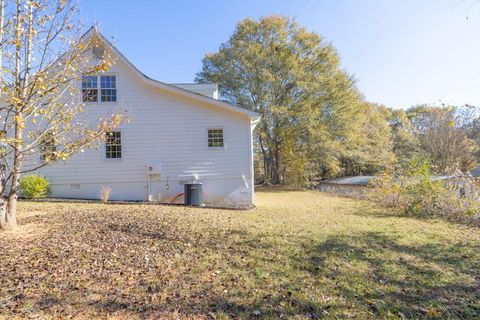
{"points": [[299, 255]]}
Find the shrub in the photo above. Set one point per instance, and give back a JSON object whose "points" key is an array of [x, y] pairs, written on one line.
{"points": [[34, 186], [105, 193], [415, 191]]}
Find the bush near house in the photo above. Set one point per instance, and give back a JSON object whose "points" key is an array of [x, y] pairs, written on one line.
{"points": [[416, 191], [34, 186], [105, 193]]}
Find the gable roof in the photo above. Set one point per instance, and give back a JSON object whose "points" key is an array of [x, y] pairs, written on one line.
{"points": [[171, 88]]}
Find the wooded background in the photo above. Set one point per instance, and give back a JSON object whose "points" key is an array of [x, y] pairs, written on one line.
{"points": [[315, 122]]}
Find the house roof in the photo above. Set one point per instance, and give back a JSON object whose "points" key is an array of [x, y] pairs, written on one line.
{"points": [[352, 181], [207, 89], [475, 172], [171, 88]]}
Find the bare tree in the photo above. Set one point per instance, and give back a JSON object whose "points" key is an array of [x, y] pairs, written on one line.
{"points": [[443, 138]]}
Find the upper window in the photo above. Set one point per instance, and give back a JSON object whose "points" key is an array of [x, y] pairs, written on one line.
{"points": [[90, 88], [47, 148], [107, 85], [215, 138], [113, 145]]}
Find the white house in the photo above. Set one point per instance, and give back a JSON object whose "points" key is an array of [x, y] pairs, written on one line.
{"points": [[177, 133]]}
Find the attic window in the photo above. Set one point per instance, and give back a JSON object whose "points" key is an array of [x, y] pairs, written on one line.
{"points": [[108, 87], [89, 89], [215, 138], [98, 51]]}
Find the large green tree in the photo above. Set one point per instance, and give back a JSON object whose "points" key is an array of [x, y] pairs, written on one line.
{"points": [[405, 141], [371, 148], [313, 118]]}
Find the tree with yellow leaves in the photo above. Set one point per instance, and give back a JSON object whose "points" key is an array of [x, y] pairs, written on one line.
{"points": [[314, 123], [42, 60]]}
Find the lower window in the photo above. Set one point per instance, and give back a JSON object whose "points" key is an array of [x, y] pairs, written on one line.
{"points": [[113, 145], [215, 138], [48, 148]]}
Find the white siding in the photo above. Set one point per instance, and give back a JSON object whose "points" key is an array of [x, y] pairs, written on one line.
{"points": [[171, 129]]}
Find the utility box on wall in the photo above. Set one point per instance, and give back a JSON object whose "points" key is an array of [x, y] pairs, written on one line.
{"points": [[154, 167]]}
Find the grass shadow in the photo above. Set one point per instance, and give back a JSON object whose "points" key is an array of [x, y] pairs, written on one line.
{"points": [[277, 189], [392, 213], [390, 278]]}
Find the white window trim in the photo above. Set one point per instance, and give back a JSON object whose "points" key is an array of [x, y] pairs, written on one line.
{"points": [[99, 88], [104, 148], [224, 139]]}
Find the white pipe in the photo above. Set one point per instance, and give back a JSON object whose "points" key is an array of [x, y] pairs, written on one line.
{"points": [[149, 187]]}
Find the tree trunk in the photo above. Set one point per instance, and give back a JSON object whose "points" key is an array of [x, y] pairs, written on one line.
{"points": [[8, 214], [266, 167], [276, 168], [3, 210], [15, 187], [11, 215], [11, 212], [2, 12], [3, 216]]}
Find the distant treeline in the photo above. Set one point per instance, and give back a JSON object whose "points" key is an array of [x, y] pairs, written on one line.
{"points": [[315, 122]]}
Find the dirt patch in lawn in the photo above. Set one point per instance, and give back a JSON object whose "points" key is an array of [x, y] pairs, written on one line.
{"points": [[33, 213], [26, 232]]}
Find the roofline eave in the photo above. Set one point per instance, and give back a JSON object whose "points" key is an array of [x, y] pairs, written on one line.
{"points": [[171, 88]]}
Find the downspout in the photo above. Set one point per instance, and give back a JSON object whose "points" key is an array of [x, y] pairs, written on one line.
{"points": [[253, 124], [149, 187]]}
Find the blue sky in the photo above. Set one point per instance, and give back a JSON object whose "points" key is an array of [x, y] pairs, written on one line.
{"points": [[402, 52]]}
